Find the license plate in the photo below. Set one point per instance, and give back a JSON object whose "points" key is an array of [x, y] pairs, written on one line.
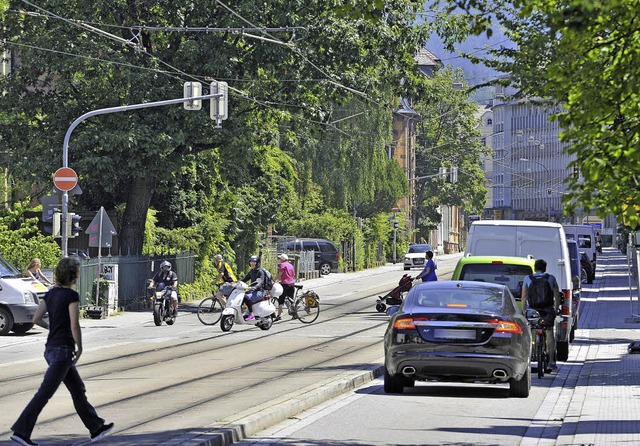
{"points": [[451, 333], [419, 261]]}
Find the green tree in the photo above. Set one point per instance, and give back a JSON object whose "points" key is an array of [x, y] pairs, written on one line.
{"points": [[583, 55], [449, 139], [20, 240], [169, 158]]}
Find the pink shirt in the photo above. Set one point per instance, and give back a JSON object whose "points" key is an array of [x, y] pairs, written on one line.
{"points": [[287, 274]]}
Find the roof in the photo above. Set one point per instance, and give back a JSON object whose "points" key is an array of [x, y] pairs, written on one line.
{"points": [[539, 224], [424, 57], [495, 259]]}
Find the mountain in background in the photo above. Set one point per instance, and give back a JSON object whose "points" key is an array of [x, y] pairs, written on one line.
{"points": [[475, 74]]}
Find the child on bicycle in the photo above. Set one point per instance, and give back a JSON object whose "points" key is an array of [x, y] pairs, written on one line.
{"points": [[287, 277]]}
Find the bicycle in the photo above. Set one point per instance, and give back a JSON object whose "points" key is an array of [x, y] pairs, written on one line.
{"points": [[210, 310], [539, 354], [304, 307]]}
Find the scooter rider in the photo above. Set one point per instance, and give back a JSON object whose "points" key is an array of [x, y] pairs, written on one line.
{"points": [[255, 277], [166, 277]]}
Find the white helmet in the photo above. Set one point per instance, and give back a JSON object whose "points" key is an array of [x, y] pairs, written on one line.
{"points": [[283, 256], [276, 291]]}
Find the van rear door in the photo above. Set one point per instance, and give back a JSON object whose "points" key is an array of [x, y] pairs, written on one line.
{"points": [[493, 240]]}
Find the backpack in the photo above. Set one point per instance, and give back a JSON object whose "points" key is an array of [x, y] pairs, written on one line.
{"points": [[268, 280], [540, 295]]}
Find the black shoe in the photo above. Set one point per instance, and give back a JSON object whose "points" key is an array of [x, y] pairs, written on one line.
{"points": [[102, 432], [175, 313], [24, 441], [277, 319]]}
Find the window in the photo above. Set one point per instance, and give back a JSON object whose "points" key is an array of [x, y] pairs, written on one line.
{"points": [[489, 121]]}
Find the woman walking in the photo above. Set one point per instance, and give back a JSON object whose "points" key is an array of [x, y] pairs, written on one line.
{"points": [[62, 352]]}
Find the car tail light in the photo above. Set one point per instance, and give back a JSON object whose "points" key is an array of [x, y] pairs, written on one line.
{"points": [[404, 323], [407, 323], [566, 302], [497, 262], [505, 326], [457, 305]]}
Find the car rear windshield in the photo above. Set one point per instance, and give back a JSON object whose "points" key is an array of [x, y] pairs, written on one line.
{"points": [[419, 248], [503, 273], [489, 299]]}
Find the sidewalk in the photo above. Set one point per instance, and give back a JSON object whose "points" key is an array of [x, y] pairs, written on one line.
{"points": [[595, 398]]}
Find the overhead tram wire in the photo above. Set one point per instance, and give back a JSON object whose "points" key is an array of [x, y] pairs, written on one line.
{"points": [[240, 93]]}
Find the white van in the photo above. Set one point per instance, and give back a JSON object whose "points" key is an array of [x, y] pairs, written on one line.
{"points": [[19, 299], [541, 240], [585, 235]]}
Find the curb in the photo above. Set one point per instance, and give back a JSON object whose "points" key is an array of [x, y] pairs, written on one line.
{"points": [[251, 421]]}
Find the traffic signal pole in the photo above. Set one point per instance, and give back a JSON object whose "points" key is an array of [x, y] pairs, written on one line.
{"points": [[103, 111]]}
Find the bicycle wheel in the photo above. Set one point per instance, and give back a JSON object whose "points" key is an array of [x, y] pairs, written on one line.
{"points": [[307, 307], [540, 354], [209, 311]]}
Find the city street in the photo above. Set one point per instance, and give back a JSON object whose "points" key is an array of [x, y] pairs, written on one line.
{"points": [[166, 383], [319, 384], [593, 400]]}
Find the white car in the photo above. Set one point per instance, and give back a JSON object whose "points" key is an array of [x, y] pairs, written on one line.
{"points": [[416, 256]]}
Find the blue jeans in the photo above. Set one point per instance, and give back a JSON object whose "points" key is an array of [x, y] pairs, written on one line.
{"points": [[61, 369]]}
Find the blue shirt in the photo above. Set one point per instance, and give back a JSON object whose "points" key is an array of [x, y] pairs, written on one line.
{"points": [[431, 277]]}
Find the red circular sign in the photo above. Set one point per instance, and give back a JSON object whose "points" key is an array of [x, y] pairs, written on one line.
{"points": [[65, 178]]}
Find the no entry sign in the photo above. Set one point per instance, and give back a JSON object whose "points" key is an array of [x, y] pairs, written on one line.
{"points": [[65, 179]]}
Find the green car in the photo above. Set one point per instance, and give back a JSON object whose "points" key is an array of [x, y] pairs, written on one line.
{"points": [[508, 271]]}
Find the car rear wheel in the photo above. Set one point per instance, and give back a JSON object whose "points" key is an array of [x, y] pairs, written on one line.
{"points": [[562, 351], [521, 388], [325, 269], [393, 384]]}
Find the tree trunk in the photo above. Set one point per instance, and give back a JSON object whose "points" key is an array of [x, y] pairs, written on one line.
{"points": [[141, 190]]}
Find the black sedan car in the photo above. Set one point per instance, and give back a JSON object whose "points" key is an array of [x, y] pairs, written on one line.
{"points": [[458, 331]]}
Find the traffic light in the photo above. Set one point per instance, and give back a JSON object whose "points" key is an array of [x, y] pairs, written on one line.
{"points": [[73, 225], [219, 106], [52, 223]]}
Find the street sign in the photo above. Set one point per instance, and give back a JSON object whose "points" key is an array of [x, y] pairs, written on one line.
{"points": [[101, 230], [394, 210], [65, 179]]}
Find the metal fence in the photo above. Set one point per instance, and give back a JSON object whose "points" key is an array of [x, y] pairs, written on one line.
{"points": [[133, 272]]}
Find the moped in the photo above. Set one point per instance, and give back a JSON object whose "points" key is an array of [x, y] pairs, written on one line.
{"points": [[234, 313]]}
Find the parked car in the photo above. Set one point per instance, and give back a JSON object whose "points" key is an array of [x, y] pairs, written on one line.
{"points": [[458, 331], [585, 235], [503, 270], [415, 257], [19, 299], [541, 240], [327, 257], [576, 275]]}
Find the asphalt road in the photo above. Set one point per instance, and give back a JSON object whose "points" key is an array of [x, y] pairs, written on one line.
{"points": [[163, 383]]}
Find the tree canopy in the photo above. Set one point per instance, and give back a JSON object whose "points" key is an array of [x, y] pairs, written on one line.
{"points": [[583, 55]]}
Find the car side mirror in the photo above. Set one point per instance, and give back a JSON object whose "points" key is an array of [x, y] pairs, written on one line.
{"points": [[576, 282], [532, 315], [392, 310]]}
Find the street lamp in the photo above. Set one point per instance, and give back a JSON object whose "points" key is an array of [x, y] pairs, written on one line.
{"points": [[549, 190]]}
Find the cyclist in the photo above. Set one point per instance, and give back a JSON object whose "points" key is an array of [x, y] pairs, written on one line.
{"points": [[287, 277], [165, 277], [540, 291], [225, 275], [255, 278]]}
